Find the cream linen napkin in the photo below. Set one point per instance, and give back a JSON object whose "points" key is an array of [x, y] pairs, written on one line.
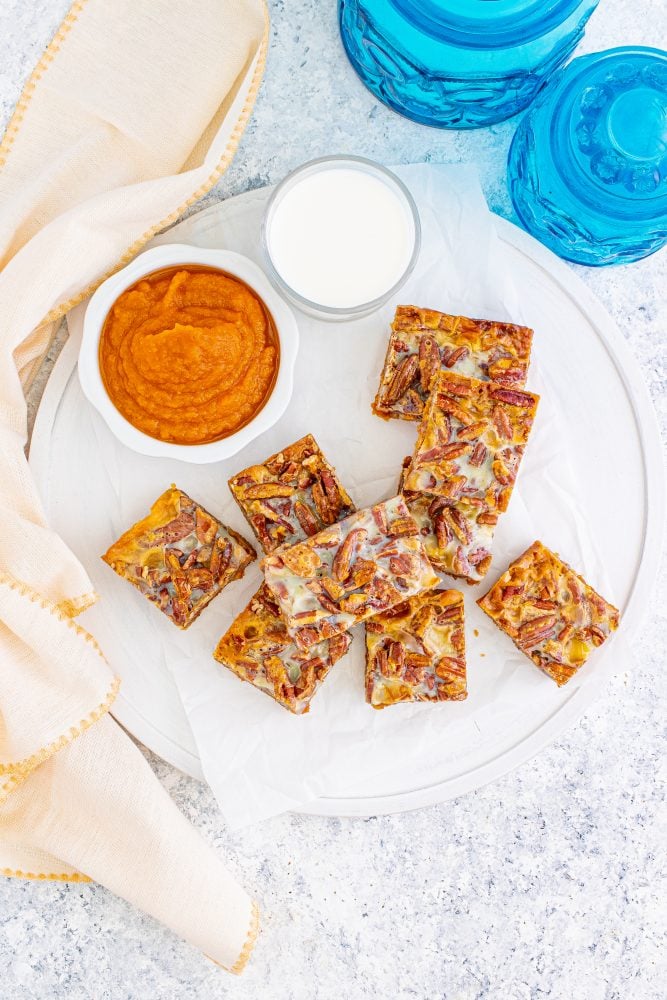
{"points": [[133, 113]]}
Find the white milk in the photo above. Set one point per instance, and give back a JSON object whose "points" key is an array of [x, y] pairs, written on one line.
{"points": [[341, 237]]}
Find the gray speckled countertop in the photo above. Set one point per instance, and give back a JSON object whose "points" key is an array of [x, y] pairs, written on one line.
{"points": [[545, 884]]}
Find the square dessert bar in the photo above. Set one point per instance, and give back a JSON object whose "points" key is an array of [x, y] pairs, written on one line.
{"points": [[290, 496], [550, 613], [424, 342], [367, 563], [179, 556], [415, 651], [471, 441], [457, 535], [258, 649]]}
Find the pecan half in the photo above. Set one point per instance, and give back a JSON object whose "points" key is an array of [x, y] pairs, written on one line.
{"points": [[220, 558], [380, 518], [442, 453], [513, 396], [260, 526], [502, 423], [267, 491], [536, 628], [181, 526], [332, 493], [402, 526], [383, 594], [405, 375], [459, 525], [479, 454], [429, 361], [402, 564], [306, 518], [443, 532], [342, 561], [501, 472], [471, 431], [449, 666], [459, 387], [396, 657], [322, 503], [447, 406]]}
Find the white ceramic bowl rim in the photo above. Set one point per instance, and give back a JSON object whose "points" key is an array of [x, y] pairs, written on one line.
{"points": [[173, 255], [337, 161]]}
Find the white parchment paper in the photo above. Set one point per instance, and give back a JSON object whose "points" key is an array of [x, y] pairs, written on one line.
{"points": [[258, 758]]}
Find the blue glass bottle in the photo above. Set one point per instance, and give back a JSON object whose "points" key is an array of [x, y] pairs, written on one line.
{"points": [[459, 63], [587, 168]]}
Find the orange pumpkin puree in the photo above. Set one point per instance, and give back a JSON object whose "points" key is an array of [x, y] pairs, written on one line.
{"points": [[189, 354]]}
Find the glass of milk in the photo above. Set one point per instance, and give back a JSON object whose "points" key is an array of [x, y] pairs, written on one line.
{"points": [[340, 236]]}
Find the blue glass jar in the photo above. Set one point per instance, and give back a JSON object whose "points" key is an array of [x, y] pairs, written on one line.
{"points": [[587, 168], [459, 63]]}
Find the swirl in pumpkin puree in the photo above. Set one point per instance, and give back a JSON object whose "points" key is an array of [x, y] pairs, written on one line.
{"points": [[189, 355]]}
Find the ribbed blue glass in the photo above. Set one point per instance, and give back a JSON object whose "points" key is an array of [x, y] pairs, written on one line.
{"points": [[587, 168], [459, 63]]}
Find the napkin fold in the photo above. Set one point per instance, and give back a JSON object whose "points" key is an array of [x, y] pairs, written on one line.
{"points": [[134, 111]]}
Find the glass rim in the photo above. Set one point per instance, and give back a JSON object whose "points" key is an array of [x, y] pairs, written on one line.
{"points": [[334, 160]]}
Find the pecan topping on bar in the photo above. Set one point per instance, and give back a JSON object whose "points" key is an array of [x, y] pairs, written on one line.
{"points": [[457, 534], [366, 563], [451, 461], [179, 556], [424, 342], [550, 613], [258, 649], [416, 651], [292, 495]]}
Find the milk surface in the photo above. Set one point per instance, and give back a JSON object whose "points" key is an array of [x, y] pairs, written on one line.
{"points": [[341, 237]]}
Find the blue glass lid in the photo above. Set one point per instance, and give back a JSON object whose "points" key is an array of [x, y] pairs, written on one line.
{"points": [[486, 24], [611, 126]]}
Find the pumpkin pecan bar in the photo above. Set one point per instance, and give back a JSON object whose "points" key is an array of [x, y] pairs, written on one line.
{"points": [[258, 649], [290, 496], [180, 557], [456, 535], [349, 571], [415, 651], [423, 342], [550, 613], [471, 441]]}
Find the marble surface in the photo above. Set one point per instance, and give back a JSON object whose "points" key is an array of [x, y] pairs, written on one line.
{"points": [[549, 883]]}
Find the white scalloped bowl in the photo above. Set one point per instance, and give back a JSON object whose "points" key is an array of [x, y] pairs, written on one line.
{"points": [[173, 255]]}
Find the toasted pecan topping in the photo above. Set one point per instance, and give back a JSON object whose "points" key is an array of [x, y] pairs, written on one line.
{"points": [[371, 561], [258, 649], [179, 556], [551, 614], [424, 342], [416, 651], [290, 496]]}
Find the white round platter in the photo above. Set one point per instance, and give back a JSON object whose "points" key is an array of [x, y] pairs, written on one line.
{"points": [[615, 451]]}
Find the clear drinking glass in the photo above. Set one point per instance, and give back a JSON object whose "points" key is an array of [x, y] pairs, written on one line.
{"points": [[315, 242], [587, 169], [459, 63]]}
